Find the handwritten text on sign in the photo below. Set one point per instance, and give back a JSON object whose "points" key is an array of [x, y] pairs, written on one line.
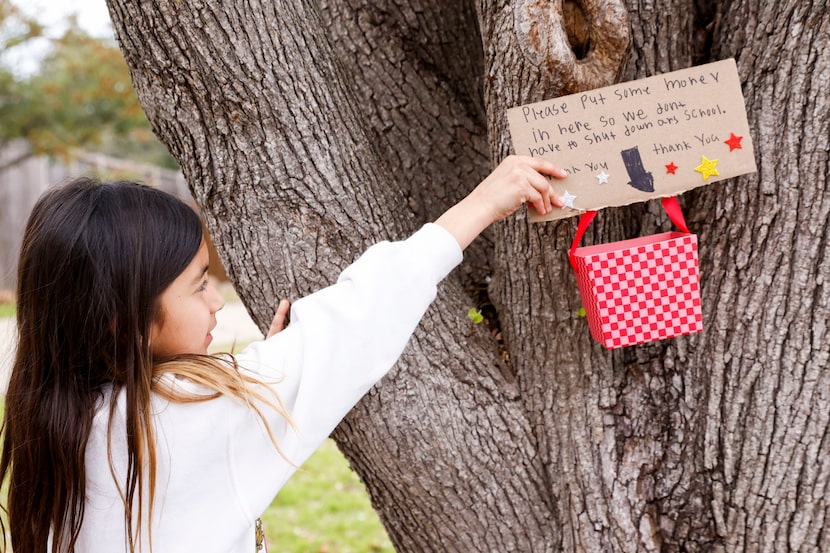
{"points": [[644, 139]]}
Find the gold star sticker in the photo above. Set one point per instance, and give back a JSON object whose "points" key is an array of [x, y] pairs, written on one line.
{"points": [[707, 168]]}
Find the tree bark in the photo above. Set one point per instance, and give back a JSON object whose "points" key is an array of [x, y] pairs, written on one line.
{"points": [[764, 445], [307, 132]]}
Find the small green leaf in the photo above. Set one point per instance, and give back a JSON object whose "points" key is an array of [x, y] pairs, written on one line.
{"points": [[475, 315], [580, 312]]}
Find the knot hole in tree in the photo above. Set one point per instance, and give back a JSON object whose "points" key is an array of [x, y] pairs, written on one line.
{"points": [[577, 28], [581, 44]]}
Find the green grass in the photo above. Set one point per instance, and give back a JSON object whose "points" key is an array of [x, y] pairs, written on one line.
{"points": [[324, 508], [7, 310]]}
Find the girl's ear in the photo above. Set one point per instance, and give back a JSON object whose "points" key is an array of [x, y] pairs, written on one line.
{"points": [[155, 328], [156, 325]]}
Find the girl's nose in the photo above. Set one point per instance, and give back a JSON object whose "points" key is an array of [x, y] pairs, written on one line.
{"points": [[217, 301]]}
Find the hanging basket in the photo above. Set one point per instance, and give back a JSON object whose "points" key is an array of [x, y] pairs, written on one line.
{"points": [[640, 290]]}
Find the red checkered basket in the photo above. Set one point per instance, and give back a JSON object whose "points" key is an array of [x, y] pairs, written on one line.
{"points": [[639, 290]]}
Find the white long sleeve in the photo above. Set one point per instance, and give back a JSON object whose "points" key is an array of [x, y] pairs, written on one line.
{"points": [[217, 468]]}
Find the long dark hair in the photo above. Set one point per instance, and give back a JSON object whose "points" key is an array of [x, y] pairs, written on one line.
{"points": [[93, 263]]}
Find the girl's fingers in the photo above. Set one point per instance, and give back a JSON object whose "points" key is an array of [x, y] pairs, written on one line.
{"points": [[542, 185], [545, 166], [537, 197], [280, 317], [540, 205], [542, 198]]}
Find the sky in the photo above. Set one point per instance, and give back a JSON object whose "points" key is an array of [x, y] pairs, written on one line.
{"points": [[92, 16]]}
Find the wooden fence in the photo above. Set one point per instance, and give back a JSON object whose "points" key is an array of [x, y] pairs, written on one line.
{"points": [[22, 183]]}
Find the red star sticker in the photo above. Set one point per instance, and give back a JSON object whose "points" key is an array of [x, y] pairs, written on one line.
{"points": [[734, 142], [671, 168]]}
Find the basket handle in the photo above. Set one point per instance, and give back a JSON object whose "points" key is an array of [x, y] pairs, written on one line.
{"points": [[670, 204]]}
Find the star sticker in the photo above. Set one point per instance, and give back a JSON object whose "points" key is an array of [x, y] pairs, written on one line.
{"points": [[568, 199], [671, 168], [603, 177], [734, 142], [707, 168]]}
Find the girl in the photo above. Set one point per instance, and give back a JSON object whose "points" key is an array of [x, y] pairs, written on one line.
{"points": [[121, 434]]}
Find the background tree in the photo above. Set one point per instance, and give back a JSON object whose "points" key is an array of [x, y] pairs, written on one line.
{"points": [[79, 96], [308, 130], [15, 29]]}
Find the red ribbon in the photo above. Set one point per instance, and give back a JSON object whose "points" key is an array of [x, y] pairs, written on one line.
{"points": [[671, 206]]}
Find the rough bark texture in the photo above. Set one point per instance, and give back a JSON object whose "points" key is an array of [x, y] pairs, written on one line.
{"points": [[309, 131], [765, 441]]}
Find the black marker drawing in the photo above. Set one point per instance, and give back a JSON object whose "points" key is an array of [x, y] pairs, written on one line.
{"points": [[640, 178]]}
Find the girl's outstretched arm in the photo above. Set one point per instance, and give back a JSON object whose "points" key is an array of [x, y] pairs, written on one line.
{"points": [[517, 179]]}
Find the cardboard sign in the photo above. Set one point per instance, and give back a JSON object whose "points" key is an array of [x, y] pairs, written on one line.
{"points": [[639, 140]]}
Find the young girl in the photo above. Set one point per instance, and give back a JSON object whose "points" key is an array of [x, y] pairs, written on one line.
{"points": [[121, 434]]}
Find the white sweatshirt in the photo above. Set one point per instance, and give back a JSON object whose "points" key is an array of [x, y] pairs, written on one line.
{"points": [[217, 470]]}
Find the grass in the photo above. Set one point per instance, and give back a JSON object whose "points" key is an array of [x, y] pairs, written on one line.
{"points": [[324, 508], [7, 310]]}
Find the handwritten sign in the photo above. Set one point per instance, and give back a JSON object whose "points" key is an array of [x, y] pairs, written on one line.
{"points": [[639, 140]]}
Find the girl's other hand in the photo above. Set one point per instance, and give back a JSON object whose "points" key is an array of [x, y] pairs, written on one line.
{"points": [[280, 318]]}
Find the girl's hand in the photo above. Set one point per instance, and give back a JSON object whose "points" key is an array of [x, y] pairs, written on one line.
{"points": [[279, 318], [517, 179]]}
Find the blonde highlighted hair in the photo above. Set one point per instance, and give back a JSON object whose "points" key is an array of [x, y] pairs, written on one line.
{"points": [[217, 376]]}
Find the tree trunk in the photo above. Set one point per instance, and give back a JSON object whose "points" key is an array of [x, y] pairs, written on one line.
{"points": [[307, 132]]}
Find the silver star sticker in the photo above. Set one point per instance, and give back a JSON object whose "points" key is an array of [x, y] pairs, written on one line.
{"points": [[603, 177], [568, 199]]}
